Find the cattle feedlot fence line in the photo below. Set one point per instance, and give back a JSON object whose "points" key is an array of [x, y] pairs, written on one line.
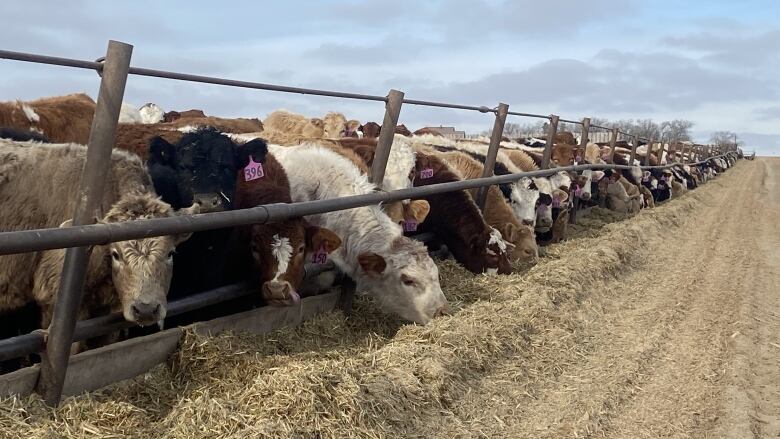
{"points": [[54, 343]]}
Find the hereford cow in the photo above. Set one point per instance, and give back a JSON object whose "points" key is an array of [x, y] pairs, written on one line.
{"points": [[397, 271], [131, 277], [273, 255], [497, 212], [60, 119]]}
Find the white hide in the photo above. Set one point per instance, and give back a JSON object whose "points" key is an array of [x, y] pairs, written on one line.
{"points": [[129, 114], [282, 251], [400, 163], [317, 173], [151, 113], [29, 113]]}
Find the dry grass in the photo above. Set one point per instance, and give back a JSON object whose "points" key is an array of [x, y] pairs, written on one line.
{"points": [[367, 374]]}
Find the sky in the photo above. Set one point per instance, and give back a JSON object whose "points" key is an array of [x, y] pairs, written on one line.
{"points": [[713, 62]]}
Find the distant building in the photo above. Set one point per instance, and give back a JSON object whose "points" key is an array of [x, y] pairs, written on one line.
{"points": [[448, 132]]}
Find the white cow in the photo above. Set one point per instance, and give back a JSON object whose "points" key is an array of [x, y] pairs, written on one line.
{"points": [[397, 271]]}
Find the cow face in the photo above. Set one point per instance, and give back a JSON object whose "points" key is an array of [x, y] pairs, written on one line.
{"points": [[279, 253], [404, 280], [524, 199], [201, 168], [141, 269], [521, 240], [544, 219]]}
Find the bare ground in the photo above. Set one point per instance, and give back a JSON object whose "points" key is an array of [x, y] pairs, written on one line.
{"points": [[662, 325], [686, 346]]}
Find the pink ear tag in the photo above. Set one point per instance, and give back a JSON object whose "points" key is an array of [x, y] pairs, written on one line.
{"points": [[556, 202], [426, 173], [253, 170], [320, 256], [410, 225]]}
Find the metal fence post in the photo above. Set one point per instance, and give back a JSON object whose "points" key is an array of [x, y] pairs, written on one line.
{"points": [[392, 110], [649, 151], [102, 135], [490, 158], [633, 150], [660, 154], [575, 202], [613, 144], [686, 153], [548, 149]]}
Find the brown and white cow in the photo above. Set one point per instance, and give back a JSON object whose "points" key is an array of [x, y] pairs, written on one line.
{"points": [[278, 250], [61, 118]]}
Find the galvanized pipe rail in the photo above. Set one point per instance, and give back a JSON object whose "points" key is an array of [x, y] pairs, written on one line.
{"points": [[100, 234]]}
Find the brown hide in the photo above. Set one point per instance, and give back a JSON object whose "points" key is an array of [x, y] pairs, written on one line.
{"points": [[135, 137], [236, 126], [521, 159], [424, 131], [566, 137], [497, 212], [62, 119], [456, 220], [401, 129]]}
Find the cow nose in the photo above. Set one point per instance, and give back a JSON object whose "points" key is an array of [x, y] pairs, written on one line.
{"points": [[444, 310], [544, 222], [528, 222], [529, 253], [209, 202], [146, 313], [280, 293], [585, 196]]}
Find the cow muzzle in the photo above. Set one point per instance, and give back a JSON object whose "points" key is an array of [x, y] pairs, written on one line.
{"points": [[280, 293], [211, 202], [147, 313]]}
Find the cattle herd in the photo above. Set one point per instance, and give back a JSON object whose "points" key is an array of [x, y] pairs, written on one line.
{"points": [[179, 163]]}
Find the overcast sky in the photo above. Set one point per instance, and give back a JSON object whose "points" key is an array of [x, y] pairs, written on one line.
{"points": [[713, 62]]}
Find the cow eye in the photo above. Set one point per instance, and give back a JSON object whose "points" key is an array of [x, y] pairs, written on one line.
{"points": [[408, 281], [115, 255], [170, 254], [301, 248]]}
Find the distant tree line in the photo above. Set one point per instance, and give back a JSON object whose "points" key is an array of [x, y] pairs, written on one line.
{"points": [[672, 130]]}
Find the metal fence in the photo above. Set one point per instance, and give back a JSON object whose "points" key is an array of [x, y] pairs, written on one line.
{"points": [[114, 70]]}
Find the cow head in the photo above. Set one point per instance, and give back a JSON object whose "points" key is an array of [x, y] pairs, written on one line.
{"points": [[352, 128], [279, 253], [523, 197], [315, 128], [544, 219], [201, 168], [403, 279], [141, 269], [521, 241]]}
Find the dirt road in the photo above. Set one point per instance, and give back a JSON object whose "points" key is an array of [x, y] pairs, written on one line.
{"points": [[688, 346]]}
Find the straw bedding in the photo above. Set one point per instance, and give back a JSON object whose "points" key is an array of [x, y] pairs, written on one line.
{"points": [[367, 374]]}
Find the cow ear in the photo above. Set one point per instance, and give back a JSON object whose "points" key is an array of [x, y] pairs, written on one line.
{"points": [[510, 232], [372, 263], [419, 210], [320, 237], [192, 210], [597, 175], [256, 148], [161, 152], [561, 194]]}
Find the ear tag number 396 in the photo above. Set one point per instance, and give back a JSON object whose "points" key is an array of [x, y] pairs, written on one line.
{"points": [[253, 170]]}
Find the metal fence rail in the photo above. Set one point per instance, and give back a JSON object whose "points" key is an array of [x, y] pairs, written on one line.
{"points": [[114, 71]]}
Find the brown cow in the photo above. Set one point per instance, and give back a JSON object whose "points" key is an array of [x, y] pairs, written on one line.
{"points": [[189, 114], [430, 131], [370, 130], [565, 137], [285, 121], [476, 245], [278, 250], [136, 137], [497, 212], [401, 129], [62, 119]]}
